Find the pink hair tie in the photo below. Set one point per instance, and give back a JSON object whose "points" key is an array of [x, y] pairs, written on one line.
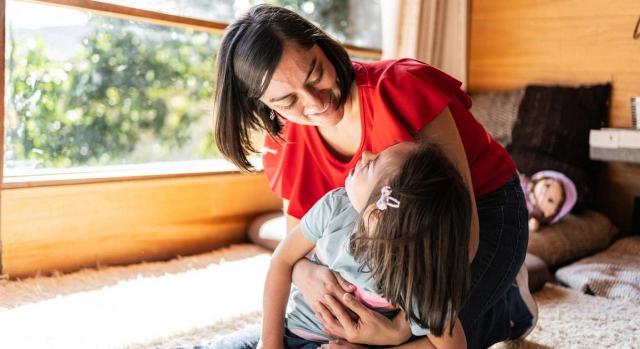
{"points": [[386, 200]]}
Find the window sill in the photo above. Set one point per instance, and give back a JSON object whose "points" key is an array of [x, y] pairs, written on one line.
{"points": [[14, 179]]}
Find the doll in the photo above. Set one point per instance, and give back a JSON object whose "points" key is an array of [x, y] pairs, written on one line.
{"points": [[550, 195]]}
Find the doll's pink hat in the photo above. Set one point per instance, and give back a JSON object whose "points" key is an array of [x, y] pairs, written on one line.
{"points": [[570, 193]]}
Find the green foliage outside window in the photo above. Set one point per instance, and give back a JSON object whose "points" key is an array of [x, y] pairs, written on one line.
{"points": [[125, 81], [127, 84]]}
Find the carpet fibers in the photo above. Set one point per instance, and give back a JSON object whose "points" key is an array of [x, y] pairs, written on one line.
{"points": [[196, 299]]}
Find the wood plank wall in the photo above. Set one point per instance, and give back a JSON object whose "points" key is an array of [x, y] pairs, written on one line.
{"points": [[68, 227], [516, 42]]}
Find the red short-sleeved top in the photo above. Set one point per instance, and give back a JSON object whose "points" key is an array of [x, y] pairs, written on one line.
{"points": [[397, 99]]}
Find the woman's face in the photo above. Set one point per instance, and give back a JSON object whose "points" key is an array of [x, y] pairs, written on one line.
{"points": [[373, 167], [303, 88]]}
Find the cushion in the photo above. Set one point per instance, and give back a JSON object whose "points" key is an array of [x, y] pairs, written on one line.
{"points": [[497, 112], [552, 132], [613, 273], [573, 237]]}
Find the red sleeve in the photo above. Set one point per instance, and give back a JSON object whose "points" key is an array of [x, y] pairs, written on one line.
{"points": [[413, 94], [291, 172], [272, 161]]}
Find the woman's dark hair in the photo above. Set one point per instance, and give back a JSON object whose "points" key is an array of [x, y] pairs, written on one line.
{"points": [[249, 53], [418, 253]]}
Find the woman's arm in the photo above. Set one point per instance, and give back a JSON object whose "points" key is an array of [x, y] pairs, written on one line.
{"points": [[457, 340], [370, 327], [443, 132], [278, 285]]}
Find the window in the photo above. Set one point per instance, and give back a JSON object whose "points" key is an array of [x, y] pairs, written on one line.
{"points": [[355, 22], [86, 90]]}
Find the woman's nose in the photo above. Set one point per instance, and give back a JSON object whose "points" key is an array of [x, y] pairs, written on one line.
{"points": [[313, 103]]}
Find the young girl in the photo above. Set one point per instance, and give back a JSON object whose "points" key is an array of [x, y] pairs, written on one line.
{"points": [[398, 231]]}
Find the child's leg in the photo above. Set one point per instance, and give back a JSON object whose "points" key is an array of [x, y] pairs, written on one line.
{"points": [[243, 339]]}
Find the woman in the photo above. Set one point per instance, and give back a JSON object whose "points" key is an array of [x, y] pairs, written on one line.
{"points": [[278, 72]]}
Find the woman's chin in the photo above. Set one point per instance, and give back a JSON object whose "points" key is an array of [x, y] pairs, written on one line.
{"points": [[330, 118]]}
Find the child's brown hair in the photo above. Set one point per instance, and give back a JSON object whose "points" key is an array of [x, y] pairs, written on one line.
{"points": [[418, 253]]}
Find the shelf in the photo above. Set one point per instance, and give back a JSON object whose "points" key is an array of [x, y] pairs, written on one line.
{"points": [[618, 154], [615, 144]]}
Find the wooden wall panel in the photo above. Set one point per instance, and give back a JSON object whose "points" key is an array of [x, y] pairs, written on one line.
{"points": [[518, 42], [73, 226]]}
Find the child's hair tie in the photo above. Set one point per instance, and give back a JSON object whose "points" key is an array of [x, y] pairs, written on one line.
{"points": [[386, 200]]}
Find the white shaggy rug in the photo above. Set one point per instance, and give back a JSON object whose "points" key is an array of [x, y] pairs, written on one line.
{"points": [[193, 300]]}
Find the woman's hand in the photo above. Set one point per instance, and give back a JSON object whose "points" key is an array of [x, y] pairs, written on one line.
{"points": [[315, 281], [341, 344], [369, 327]]}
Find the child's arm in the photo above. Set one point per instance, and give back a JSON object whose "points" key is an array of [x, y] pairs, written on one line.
{"points": [[278, 285]]}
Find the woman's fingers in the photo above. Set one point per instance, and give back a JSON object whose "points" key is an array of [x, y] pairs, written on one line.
{"points": [[339, 311], [326, 327], [346, 286], [352, 303], [330, 323]]}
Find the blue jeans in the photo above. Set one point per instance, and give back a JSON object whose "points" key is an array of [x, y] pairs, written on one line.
{"points": [[494, 311], [249, 337]]}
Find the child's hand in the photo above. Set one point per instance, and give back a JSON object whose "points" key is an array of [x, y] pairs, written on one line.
{"points": [[341, 344]]}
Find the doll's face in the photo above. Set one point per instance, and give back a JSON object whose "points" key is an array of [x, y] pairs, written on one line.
{"points": [[549, 195]]}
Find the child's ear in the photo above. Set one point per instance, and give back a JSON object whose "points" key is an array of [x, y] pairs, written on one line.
{"points": [[371, 216]]}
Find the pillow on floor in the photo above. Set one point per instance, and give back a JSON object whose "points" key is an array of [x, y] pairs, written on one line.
{"points": [[497, 111], [573, 237], [613, 273], [552, 132]]}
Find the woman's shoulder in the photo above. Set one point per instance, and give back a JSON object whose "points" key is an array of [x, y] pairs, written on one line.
{"points": [[373, 73]]}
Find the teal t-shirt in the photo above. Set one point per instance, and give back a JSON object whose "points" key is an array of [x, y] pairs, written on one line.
{"points": [[329, 224]]}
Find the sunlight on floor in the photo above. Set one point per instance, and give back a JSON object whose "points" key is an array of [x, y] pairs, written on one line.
{"points": [[139, 309]]}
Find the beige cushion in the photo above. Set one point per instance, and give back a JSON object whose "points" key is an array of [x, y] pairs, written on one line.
{"points": [[573, 237], [497, 111], [612, 273]]}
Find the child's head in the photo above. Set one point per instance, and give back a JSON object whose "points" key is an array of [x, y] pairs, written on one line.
{"points": [[374, 168], [417, 250]]}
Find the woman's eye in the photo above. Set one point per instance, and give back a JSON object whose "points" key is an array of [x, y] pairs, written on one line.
{"points": [[550, 201], [286, 107], [319, 78]]}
